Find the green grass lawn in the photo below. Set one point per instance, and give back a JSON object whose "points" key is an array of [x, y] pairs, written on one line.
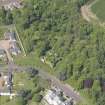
{"points": [[99, 9], [21, 81], [34, 103], [18, 80], [10, 102], [2, 30], [34, 61], [86, 99], [6, 101], [3, 100]]}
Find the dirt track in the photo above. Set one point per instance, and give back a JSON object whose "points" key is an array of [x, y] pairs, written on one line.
{"points": [[87, 14]]}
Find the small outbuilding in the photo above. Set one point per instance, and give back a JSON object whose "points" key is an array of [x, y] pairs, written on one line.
{"points": [[88, 83], [10, 36]]}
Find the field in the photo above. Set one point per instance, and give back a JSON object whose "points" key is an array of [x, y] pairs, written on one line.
{"points": [[98, 8]]}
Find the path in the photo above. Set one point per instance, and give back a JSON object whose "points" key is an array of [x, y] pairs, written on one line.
{"points": [[87, 14], [93, 2], [19, 40]]}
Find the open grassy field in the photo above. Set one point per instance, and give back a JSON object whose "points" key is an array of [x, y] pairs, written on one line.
{"points": [[99, 9], [34, 61]]}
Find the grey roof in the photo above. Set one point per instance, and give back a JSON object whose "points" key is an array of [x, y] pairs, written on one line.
{"points": [[10, 35], [16, 49]]}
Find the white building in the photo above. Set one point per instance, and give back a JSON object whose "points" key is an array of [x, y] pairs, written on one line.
{"points": [[14, 48], [52, 98], [11, 4]]}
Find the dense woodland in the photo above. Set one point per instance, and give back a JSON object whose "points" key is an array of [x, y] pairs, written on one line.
{"points": [[56, 30]]}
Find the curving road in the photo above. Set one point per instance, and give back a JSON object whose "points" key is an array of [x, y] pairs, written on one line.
{"points": [[67, 89]]}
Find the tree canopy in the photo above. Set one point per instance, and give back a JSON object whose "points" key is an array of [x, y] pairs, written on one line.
{"points": [[56, 30]]}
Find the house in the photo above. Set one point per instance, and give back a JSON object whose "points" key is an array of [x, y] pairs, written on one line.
{"points": [[10, 36], [15, 50], [6, 82], [13, 45], [53, 98], [11, 4]]}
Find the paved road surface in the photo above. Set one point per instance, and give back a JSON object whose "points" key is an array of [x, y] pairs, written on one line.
{"points": [[68, 90]]}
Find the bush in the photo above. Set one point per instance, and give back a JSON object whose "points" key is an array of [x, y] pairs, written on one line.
{"points": [[37, 98], [32, 72]]}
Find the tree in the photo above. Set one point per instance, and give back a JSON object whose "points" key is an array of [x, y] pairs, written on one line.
{"points": [[101, 100], [26, 94], [37, 97], [55, 29], [96, 89], [62, 75], [82, 2], [96, 86], [20, 101], [80, 84], [37, 89], [3, 13], [8, 18]]}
